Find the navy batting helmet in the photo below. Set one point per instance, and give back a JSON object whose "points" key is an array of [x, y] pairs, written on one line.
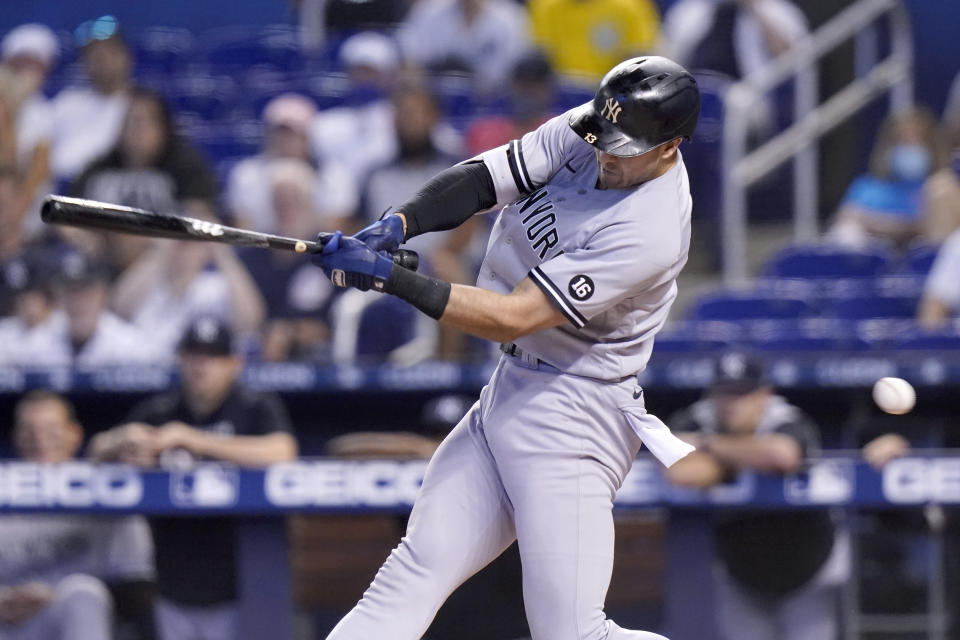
{"points": [[641, 103]]}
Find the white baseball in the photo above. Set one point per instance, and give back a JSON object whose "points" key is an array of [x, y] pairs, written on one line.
{"points": [[894, 395]]}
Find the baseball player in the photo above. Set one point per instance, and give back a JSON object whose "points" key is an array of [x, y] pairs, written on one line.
{"points": [[578, 277]]}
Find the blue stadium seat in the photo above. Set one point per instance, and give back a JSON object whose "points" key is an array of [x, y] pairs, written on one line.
{"points": [[922, 340], [166, 49], [810, 334], [919, 258], [749, 305], [210, 96], [827, 261], [689, 336], [874, 307], [243, 47]]}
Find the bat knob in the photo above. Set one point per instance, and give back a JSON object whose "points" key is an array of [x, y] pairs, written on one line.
{"points": [[406, 259]]}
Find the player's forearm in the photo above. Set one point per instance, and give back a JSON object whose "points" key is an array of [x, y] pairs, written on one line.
{"points": [[494, 316], [774, 453], [246, 451], [696, 470], [449, 199]]}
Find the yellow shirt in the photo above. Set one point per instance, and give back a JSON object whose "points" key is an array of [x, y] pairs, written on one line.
{"points": [[586, 38]]}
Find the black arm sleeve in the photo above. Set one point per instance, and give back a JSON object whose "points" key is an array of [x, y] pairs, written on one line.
{"points": [[449, 198]]}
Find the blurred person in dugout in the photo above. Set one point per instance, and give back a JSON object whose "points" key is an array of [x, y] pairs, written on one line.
{"points": [[296, 293], [87, 119], [212, 416], [80, 331], [70, 577], [888, 204], [150, 167], [452, 255], [359, 133], [27, 54], [287, 120], [584, 40], [480, 38], [779, 573]]}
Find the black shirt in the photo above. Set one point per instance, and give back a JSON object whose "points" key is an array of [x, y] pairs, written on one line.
{"points": [[772, 552], [196, 557]]}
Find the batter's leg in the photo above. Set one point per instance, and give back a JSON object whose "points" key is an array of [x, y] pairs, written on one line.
{"points": [[460, 522], [562, 456]]}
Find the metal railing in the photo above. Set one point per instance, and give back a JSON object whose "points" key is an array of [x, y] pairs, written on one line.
{"points": [[812, 119]]}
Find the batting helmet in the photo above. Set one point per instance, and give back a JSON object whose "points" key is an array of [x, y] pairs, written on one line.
{"points": [[641, 104]]}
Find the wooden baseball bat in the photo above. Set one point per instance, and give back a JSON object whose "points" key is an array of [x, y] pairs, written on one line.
{"points": [[92, 214]]}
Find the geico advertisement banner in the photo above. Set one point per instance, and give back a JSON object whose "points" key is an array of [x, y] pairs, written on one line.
{"points": [[332, 485]]}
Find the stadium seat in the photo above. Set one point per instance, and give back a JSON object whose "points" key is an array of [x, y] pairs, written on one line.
{"points": [[809, 334], [749, 305], [691, 337], [921, 340], [827, 261], [919, 258], [874, 307], [243, 47], [163, 49]]}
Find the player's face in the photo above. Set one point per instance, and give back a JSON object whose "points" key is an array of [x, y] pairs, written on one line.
{"points": [[45, 433], [207, 378], [740, 413], [615, 172]]}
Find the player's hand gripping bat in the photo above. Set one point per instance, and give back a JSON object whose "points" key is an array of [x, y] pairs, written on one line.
{"points": [[91, 214]]}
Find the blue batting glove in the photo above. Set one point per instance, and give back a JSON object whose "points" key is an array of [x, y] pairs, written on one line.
{"points": [[383, 235], [348, 262]]}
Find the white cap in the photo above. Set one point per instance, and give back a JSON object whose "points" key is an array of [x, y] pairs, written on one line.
{"points": [[370, 49], [290, 110], [33, 40]]}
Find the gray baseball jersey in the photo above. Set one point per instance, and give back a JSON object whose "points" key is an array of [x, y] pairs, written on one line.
{"points": [[608, 258]]}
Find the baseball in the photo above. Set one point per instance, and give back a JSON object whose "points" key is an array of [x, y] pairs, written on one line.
{"points": [[300, 247], [894, 395]]}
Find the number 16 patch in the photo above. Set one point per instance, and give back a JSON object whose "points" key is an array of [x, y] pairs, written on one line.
{"points": [[580, 287]]}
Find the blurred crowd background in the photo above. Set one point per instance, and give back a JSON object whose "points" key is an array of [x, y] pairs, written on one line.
{"points": [[317, 115]]}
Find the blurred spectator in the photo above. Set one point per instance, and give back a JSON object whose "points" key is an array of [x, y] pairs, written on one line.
{"points": [[733, 37], [11, 227], [175, 281], [941, 198], [150, 167], [87, 120], [780, 572], [296, 292], [483, 38], [359, 134], [63, 576], [26, 283], [951, 113], [212, 416], [82, 332], [27, 54], [941, 291], [886, 204], [585, 39], [287, 120], [530, 103], [446, 255]]}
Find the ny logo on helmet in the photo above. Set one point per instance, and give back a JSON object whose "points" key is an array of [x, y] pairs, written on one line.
{"points": [[611, 110]]}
